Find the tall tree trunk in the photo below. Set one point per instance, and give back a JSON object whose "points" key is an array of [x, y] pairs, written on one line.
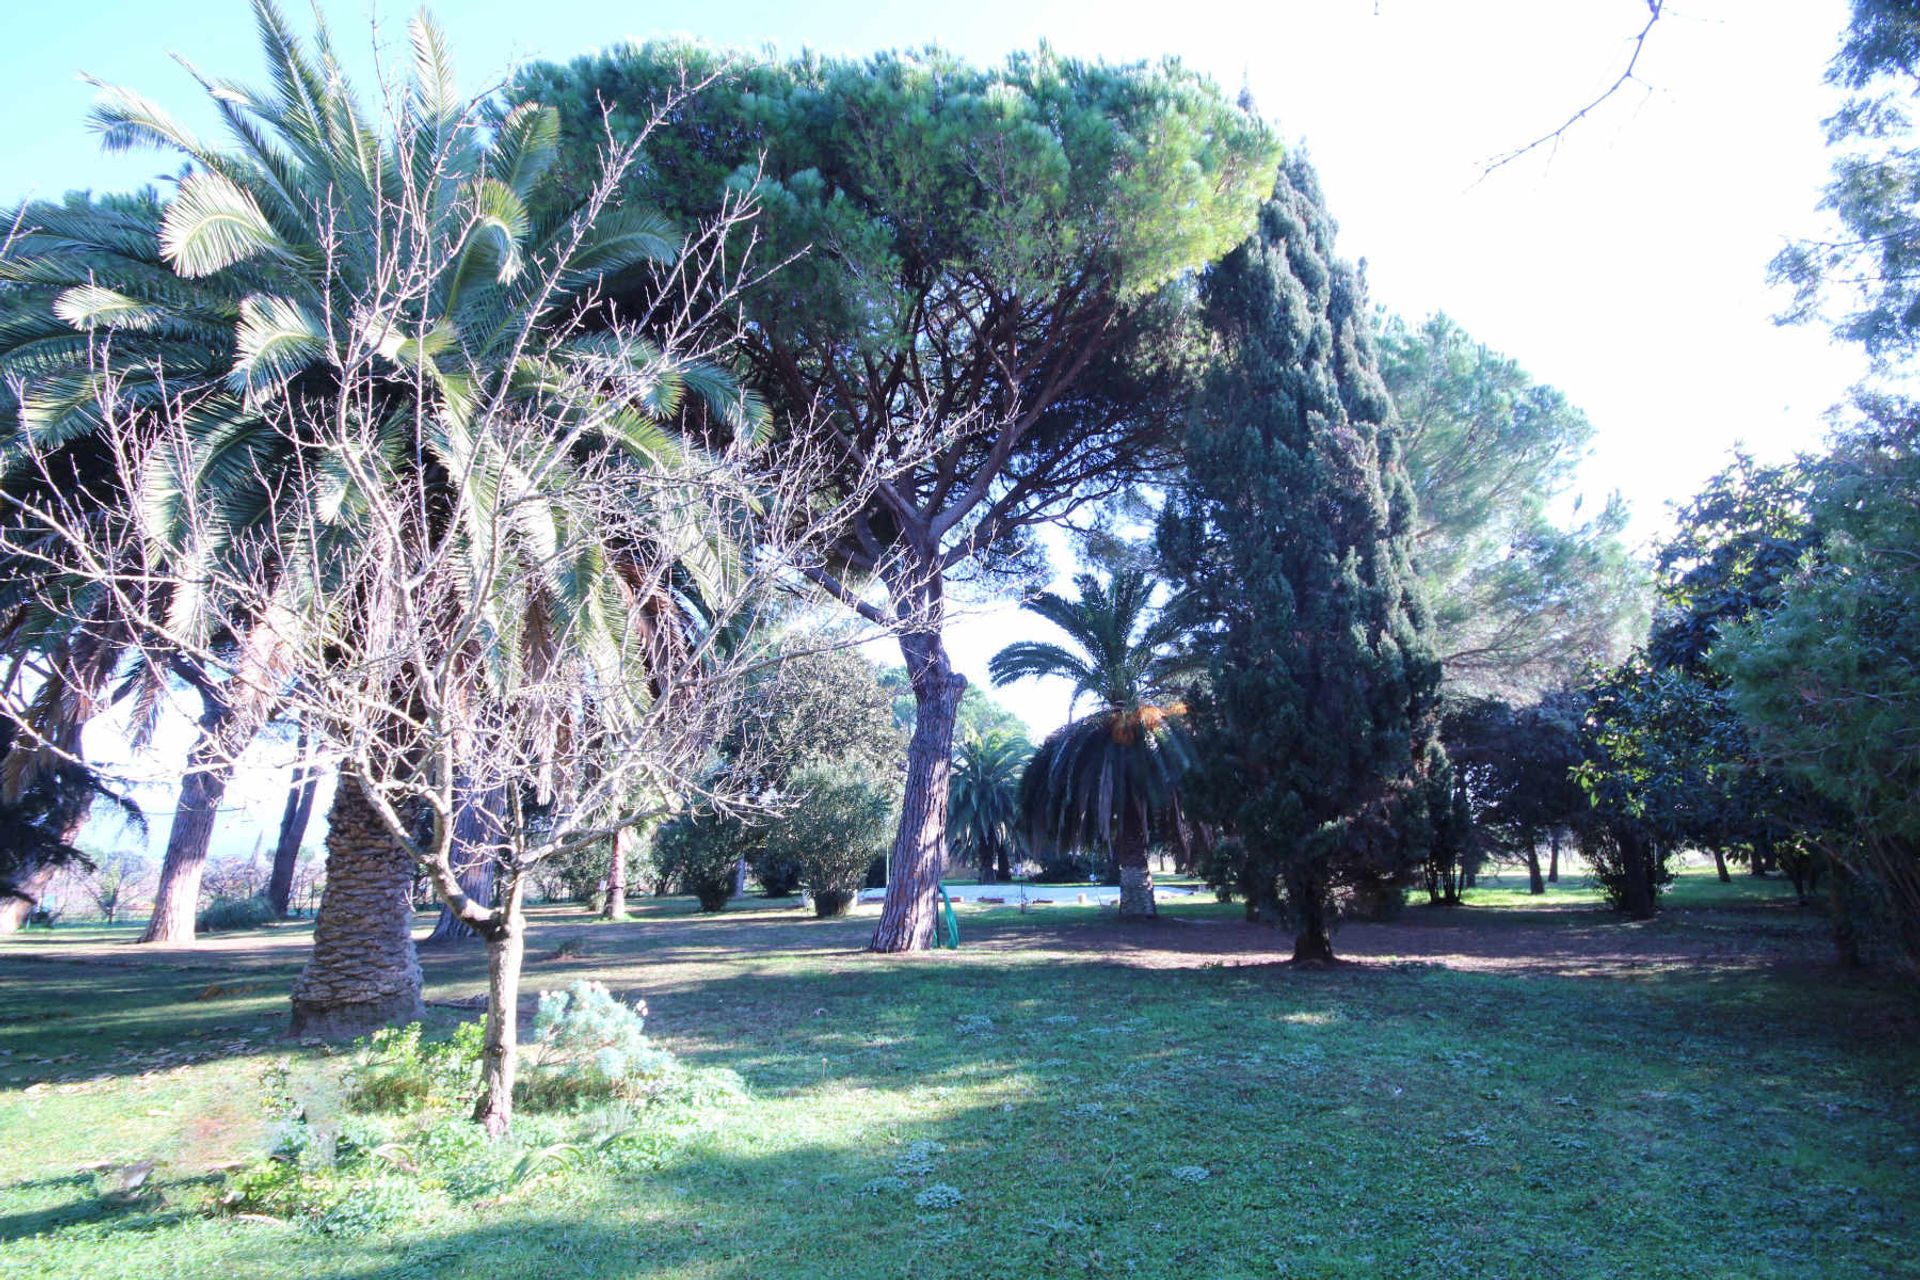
{"points": [[919, 855], [1720, 864], [1536, 882], [1136, 876], [363, 973], [1636, 859], [235, 713], [616, 905], [33, 884], [500, 1056], [1307, 898], [176, 902], [477, 820], [1553, 861], [293, 829]]}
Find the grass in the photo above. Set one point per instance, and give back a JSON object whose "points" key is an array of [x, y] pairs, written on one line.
{"points": [[1508, 1089]]}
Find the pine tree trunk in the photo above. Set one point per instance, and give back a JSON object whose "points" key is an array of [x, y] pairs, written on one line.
{"points": [[908, 916], [293, 830], [500, 1056], [33, 883], [363, 973], [616, 906], [176, 902], [235, 713], [1136, 876]]}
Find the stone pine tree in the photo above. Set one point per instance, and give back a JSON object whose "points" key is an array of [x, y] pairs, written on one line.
{"points": [[1289, 542], [981, 292]]}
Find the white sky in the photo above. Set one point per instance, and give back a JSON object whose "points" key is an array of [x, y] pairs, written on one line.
{"points": [[1626, 266]]}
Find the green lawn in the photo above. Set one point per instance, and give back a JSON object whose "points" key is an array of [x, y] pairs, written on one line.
{"points": [[1514, 1088]]}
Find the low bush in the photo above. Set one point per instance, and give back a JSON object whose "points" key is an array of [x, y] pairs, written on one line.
{"points": [[588, 1047], [840, 819], [699, 855], [395, 1069], [223, 914]]}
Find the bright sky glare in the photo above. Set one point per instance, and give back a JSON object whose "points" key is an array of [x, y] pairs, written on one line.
{"points": [[1625, 265]]}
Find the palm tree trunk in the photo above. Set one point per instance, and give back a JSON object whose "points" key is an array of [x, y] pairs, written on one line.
{"points": [[363, 973], [919, 856], [499, 1057], [1136, 876], [293, 829]]}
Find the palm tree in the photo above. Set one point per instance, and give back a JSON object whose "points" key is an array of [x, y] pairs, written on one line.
{"points": [[1109, 778], [983, 806], [322, 247]]}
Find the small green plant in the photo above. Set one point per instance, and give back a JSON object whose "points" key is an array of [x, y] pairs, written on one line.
{"points": [[588, 1047], [224, 914], [396, 1069]]}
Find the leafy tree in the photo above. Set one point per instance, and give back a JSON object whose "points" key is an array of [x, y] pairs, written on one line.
{"points": [[1106, 780], [1873, 264], [821, 702], [984, 809], [839, 820], [1828, 681], [1516, 769], [1520, 603], [699, 854], [1290, 544], [987, 261]]}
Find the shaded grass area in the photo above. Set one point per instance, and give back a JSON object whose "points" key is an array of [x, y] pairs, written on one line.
{"points": [[1703, 1098]]}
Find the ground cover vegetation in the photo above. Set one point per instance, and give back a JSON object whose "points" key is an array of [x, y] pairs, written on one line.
{"points": [[538, 466]]}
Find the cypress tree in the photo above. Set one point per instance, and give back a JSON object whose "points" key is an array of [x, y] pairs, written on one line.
{"points": [[1290, 543]]}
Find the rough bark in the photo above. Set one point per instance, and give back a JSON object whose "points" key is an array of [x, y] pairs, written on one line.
{"points": [[477, 823], [293, 830], [33, 884], [500, 1056], [1136, 875], [1536, 882], [363, 973], [1006, 866], [176, 902], [235, 713], [616, 905], [919, 857]]}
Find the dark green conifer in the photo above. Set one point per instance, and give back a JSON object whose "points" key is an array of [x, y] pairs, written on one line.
{"points": [[1290, 544]]}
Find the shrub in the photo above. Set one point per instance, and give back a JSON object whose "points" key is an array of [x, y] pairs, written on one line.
{"points": [[841, 818], [396, 1070], [235, 913], [588, 1047], [780, 874], [698, 855]]}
